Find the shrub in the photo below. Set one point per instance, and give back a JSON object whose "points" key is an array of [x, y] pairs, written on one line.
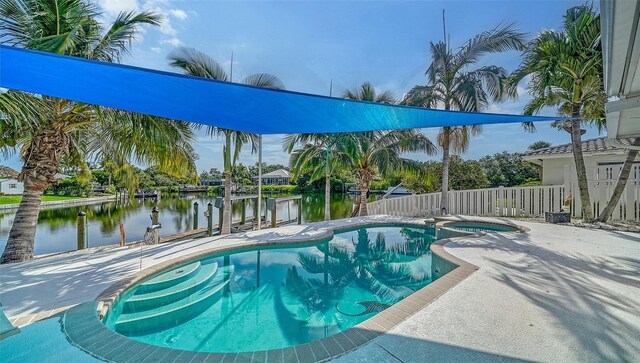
{"points": [[379, 185]]}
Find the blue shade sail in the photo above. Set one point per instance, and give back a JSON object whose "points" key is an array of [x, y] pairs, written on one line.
{"points": [[222, 104]]}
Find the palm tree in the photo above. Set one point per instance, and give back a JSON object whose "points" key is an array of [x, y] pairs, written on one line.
{"points": [[46, 130], [319, 156], [565, 70], [378, 153], [453, 86], [370, 153], [198, 64]]}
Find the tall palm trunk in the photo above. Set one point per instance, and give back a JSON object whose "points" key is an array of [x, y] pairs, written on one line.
{"points": [[444, 198], [363, 203], [578, 158], [327, 197], [23, 231], [40, 167], [364, 190], [620, 185]]}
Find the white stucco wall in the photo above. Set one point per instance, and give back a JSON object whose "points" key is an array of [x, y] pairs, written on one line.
{"points": [[553, 168], [4, 187]]}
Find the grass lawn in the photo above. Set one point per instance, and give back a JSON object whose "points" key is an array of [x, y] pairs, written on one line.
{"points": [[14, 199]]}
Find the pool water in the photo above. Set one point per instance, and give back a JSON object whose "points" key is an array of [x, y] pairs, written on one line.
{"points": [[274, 298]]}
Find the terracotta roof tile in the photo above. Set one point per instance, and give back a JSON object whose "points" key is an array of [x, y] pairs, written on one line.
{"points": [[588, 146]]}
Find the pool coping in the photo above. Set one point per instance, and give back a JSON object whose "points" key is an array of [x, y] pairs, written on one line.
{"points": [[84, 328]]}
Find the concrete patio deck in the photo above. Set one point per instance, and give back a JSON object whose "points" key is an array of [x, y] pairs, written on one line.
{"points": [[557, 293]]}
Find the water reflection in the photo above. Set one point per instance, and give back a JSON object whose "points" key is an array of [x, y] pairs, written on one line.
{"points": [[56, 229], [384, 270]]}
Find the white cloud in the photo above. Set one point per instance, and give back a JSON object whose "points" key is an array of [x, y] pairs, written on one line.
{"points": [[180, 14], [166, 28], [173, 41], [152, 3], [113, 7]]}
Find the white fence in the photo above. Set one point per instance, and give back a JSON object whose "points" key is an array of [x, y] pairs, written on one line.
{"points": [[523, 201]]}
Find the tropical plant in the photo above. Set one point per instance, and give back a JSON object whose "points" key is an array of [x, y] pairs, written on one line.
{"points": [[378, 151], [465, 175], [453, 86], [318, 156], [46, 130], [565, 70], [508, 170], [198, 64], [539, 145]]}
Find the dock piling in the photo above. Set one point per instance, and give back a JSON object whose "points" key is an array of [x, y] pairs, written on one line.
{"points": [[195, 215], [209, 219], [123, 239], [82, 230], [243, 219], [154, 216]]}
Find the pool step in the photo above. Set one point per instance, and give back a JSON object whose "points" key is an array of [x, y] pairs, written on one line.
{"points": [[169, 278], [150, 300], [179, 311]]}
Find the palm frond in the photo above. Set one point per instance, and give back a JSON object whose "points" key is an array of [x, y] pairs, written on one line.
{"points": [[196, 63], [122, 32], [264, 80]]}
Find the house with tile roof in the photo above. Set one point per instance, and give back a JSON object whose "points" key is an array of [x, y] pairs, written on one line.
{"points": [[602, 158], [276, 177]]}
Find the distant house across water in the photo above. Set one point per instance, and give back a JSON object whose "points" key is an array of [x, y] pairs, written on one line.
{"points": [[11, 186], [276, 177], [212, 182]]}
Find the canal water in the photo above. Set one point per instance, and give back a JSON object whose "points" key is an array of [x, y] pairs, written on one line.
{"points": [[56, 231]]}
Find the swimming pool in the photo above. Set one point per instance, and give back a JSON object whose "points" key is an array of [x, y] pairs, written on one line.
{"points": [[272, 298]]}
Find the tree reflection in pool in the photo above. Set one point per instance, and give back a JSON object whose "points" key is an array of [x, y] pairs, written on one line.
{"points": [[274, 298]]}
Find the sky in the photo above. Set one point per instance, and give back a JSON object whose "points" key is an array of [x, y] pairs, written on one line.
{"points": [[310, 45]]}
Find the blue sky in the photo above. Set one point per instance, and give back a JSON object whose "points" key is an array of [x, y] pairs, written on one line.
{"points": [[309, 44]]}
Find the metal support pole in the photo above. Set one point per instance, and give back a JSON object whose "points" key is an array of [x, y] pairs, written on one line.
{"points": [[220, 216], [259, 180], [195, 215], [154, 216], [256, 216], [82, 230], [300, 211], [209, 219]]}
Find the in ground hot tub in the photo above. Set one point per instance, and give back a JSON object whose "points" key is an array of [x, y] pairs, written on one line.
{"points": [[461, 228]]}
